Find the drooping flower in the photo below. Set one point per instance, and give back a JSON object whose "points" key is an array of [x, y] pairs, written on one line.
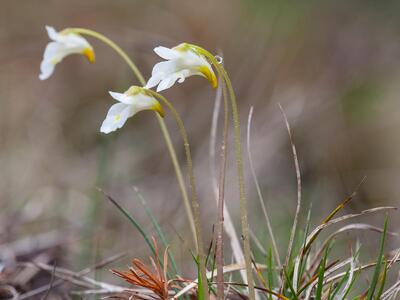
{"points": [[132, 101], [181, 62], [63, 43]]}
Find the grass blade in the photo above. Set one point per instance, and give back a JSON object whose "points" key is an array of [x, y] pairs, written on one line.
{"points": [[158, 229], [270, 271], [383, 280], [298, 179], [260, 196], [289, 283], [378, 266], [128, 215], [318, 293]]}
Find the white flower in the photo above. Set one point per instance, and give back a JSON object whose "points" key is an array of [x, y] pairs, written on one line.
{"points": [[135, 99], [182, 61], [63, 44]]}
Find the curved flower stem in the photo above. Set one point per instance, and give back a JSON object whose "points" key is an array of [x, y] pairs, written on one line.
{"points": [[114, 46], [164, 129], [242, 188], [239, 165], [221, 195], [192, 184]]}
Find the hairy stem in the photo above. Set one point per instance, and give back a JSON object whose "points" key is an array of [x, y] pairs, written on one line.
{"points": [[164, 129], [239, 165], [192, 184], [221, 195]]}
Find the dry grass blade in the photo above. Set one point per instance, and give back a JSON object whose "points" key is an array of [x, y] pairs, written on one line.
{"points": [[58, 282], [343, 204], [212, 274], [312, 236], [315, 233], [260, 196], [268, 291], [356, 226], [298, 178], [360, 268], [51, 283]]}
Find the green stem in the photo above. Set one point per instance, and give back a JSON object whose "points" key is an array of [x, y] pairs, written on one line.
{"points": [[161, 121], [242, 188], [239, 165], [192, 184], [221, 196]]}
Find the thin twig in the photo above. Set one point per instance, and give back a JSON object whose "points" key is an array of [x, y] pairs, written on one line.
{"points": [[83, 272], [51, 283]]}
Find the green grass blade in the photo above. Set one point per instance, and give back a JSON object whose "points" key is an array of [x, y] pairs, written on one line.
{"points": [[383, 281], [270, 273], [303, 258], [128, 215], [320, 285], [340, 284], [351, 285], [375, 277], [158, 229], [289, 283]]}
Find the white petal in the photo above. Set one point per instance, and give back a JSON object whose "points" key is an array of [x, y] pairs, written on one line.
{"points": [[153, 81], [76, 41], [53, 34], [165, 68], [167, 83], [51, 50], [51, 57], [116, 117], [46, 69], [143, 102], [70, 40], [121, 97], [166, 53]]}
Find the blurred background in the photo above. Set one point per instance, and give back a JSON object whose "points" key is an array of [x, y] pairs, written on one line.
{"points": [[333, 65]]}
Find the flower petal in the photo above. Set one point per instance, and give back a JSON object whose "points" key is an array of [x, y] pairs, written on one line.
{"points": [[53, 54], [116, 117], [121, 97], [166, 53], [53, 34], [46, 69], [153, 81], [165, 68], [167, 83]]}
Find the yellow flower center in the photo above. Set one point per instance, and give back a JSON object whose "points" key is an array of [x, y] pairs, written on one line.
{"points": [[89, 53], [209, 75], [158, 108]]}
